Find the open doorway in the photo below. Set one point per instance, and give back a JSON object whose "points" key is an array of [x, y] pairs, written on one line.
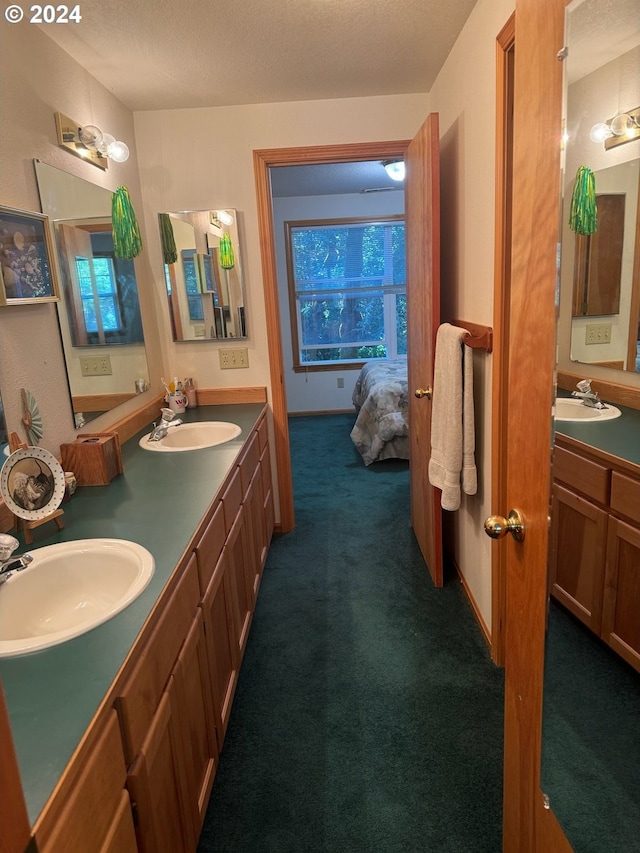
{"points": [[264, 162], [337, 226]]}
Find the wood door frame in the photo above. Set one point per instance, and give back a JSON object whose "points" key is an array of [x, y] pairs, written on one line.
{"points": [[263, 161], [505, 46]]}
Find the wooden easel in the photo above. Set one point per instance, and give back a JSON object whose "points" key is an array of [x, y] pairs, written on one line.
{"points": [[22, 523]]}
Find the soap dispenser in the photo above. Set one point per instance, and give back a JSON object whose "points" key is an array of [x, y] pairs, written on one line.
{"points": [[189, 390]]}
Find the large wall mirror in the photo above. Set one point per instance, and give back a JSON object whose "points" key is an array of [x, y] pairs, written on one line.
{"points": [[591, 718], [99, 310], [600, 273], [203, 273]]}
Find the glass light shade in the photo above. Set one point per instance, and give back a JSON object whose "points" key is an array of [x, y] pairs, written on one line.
{"points": [[106, 143], [90, 135], [119, 151], [224, 217], [622, 125], [395, 169], [600, 131]]}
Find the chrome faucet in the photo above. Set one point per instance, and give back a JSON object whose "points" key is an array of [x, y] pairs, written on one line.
{"points": [[589, 398], [160, 430], [8, 562]]}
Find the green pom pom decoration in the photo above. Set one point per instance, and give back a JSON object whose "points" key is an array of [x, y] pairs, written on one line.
{"points": [[127, 241], [583, 214], [169, 251], [227, 259]]}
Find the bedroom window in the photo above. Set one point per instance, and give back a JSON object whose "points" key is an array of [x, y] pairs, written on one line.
{"points": [[347, 287], [97, 280]]}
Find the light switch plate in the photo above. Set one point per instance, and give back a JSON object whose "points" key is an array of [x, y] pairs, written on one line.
{"points": [[232, 359], [96, 365]]}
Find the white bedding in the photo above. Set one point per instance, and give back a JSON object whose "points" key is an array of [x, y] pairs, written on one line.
{"points": [[381, 430]]}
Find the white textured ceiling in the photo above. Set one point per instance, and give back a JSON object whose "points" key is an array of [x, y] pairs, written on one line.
{"points": [[168, 54]]}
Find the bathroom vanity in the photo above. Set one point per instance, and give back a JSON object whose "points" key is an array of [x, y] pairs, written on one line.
{"points": [[595, 528], [118, 732]]}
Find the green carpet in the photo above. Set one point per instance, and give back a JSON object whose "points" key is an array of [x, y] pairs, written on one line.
{"points": [[368, 714], [591, 738]]}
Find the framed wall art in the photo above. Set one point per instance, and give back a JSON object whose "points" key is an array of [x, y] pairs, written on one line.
{"points": [[27, 272]]}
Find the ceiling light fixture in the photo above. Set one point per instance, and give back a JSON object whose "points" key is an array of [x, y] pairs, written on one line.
{"points": [[90, 143], [620, 129], [395, 169]]}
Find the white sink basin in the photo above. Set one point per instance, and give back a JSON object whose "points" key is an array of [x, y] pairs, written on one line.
{"points": [[68, 589], [574, 410], [193, 436]]}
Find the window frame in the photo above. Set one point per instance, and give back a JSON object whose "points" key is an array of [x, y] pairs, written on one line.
{"points": [[300, 366]]}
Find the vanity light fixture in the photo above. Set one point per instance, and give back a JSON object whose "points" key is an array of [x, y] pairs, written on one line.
{"points": [[622, 128], [221, 217], [395, 169], [90, 143]]}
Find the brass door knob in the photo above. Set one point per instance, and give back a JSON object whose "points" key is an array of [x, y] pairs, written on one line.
{"points": [[423, 392], [497, 526]]}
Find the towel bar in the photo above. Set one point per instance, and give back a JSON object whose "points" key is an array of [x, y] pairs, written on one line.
{"points": [[478, 336]]}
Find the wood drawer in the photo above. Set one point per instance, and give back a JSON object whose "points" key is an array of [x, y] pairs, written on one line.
{"points": [[263, 433], [210, 547], [249, 462], [231, 500], [139, 698], [625, 496], [582, 474], [95, 799]]}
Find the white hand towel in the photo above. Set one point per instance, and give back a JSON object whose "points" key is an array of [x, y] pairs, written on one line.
{"points": [[452, 418]]}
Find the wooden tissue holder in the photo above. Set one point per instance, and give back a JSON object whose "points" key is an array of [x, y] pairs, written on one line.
{"points": [[94, 458]]}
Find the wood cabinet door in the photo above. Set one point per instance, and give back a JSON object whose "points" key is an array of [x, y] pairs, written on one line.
{"points": [[267, 502], [156, 787], [196, 727], [14, 820], [88, 816], [254, 528], [576, 565], [121, 837], [219, 618], [621, 610], [241, 598]]}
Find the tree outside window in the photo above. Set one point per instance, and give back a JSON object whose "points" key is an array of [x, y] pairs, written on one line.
{"points": [[347, 284]]}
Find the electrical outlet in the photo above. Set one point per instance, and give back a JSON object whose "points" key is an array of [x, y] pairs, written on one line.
{"points": [[96, 365], [231, 359], [598, 333], [340, 382]]}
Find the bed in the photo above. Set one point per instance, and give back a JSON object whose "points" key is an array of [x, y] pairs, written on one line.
{"points": [[381, 430]]}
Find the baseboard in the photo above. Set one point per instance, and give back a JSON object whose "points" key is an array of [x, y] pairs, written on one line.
{"points": [[322, 412], [474, 606], [224, 396]]}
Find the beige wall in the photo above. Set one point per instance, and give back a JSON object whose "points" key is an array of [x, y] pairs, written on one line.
{"points": [[38, 79], [464, 95], [202, 158]]}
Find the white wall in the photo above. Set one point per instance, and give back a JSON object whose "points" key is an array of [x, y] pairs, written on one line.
{"points": [[317, 391], [465, 97]]}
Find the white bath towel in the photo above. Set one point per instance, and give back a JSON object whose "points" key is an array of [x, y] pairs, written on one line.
{"points": [[452, 461]]}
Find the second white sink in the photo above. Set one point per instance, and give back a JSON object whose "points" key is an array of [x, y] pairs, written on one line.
{"points": [[68, 589], [194, 436], [567, 409]]}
